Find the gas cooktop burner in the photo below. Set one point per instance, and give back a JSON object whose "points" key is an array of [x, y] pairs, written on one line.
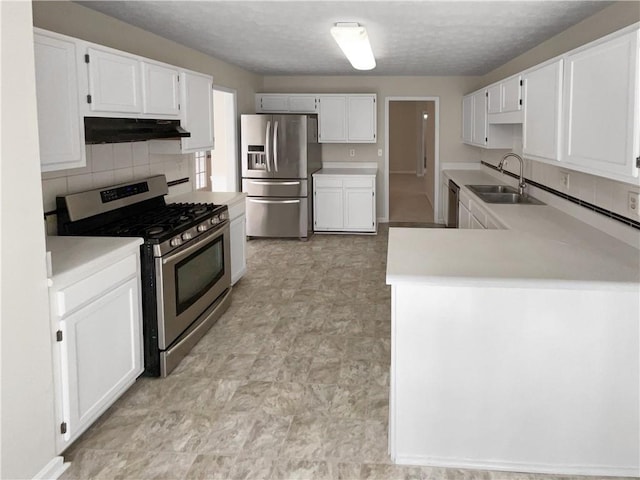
{"points": [[155, 231]]}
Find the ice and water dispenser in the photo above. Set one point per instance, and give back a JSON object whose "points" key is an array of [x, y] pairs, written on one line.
{"points": [[256, 157]]}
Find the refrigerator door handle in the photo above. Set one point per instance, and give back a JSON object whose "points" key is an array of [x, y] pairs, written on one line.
{"points": [[268, 182], [275, 145], [268, 146], [257, 200]]}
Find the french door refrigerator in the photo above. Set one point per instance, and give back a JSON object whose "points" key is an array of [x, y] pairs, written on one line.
{"points": [[279, 154]]}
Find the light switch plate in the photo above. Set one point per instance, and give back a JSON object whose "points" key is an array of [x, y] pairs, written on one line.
{"points": [[564, 179], [352, 152]]}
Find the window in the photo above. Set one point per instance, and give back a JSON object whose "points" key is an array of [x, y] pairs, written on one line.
{"points": [[201, 170]]}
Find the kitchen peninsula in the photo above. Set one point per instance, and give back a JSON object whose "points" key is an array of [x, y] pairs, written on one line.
{"points": [[515, 349]]}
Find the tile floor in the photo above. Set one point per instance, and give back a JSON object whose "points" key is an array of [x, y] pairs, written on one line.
{"points": [[291, 383], [407, 200]]}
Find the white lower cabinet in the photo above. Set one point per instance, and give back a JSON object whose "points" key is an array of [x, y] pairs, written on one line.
{"points": [[97, 333], [238, 236], [344, 202], [471, 214]]}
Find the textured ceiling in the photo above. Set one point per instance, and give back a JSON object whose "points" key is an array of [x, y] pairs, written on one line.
{"points": [[407, 37]]}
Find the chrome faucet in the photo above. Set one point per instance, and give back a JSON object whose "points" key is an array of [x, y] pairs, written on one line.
{"points": [[521, 184]]}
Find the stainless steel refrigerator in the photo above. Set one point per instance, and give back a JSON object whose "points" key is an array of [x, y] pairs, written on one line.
{"points": [[279, 154]]}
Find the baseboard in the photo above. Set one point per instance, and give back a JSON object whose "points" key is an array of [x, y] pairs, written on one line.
{"points": [[52, 470], [406, 172], [558, 469]]}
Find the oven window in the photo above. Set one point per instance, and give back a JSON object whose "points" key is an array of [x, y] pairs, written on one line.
{"points": [[197, 273]]}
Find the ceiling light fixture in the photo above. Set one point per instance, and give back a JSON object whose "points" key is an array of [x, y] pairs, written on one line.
{"points": [[354, 42]]}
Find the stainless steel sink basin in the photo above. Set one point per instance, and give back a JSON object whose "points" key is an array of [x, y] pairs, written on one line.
{"points": [[502, 194], [492, 189]]}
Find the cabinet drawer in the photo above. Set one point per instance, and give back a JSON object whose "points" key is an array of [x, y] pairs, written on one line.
{"points": [[72, 297], [324, 181], [358, 182]]}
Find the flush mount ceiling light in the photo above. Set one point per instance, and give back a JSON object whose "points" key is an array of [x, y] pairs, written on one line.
{"points": [[354, 42]]}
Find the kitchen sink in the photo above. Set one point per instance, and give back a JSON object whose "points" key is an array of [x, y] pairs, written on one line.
{"points": [[502, 194], [492, 189]]}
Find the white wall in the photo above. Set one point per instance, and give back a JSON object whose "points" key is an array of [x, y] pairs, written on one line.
{"points": [[27, 422]]}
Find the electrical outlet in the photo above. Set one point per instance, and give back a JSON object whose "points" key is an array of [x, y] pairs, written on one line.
{"points": [[379, 152], [633, 203], [564, 179], [352, 152]]}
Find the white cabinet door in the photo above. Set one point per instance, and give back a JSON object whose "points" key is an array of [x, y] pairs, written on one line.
{"points": [[197, 111], [328, 208], [303, 103], [361, 115], [510, 95], [359, 209], [61, 135], [161, 91], [467, 119], [479, 132], [238, 235], [475, 223], [101, 355], [542, 93], [464, 216], [276, 103], [601, 108], [494, 98], [332, 119], [114, 82]]}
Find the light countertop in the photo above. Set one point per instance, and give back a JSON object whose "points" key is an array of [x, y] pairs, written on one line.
{"points": [[347, 171], [541, 247], [75, 257]]}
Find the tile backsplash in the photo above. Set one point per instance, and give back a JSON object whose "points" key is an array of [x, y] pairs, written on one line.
{"points": [[602, 192], [110, 164]]}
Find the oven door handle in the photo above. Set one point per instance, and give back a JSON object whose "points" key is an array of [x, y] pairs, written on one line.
{"points": [[199, 244]]}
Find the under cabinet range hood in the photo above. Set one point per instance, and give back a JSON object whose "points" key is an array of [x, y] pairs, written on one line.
{"points": [[120, 130]]}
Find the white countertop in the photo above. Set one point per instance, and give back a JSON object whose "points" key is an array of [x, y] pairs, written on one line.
{"points": [[347, 171], [543, 247], [219, 198], [76, 257]]}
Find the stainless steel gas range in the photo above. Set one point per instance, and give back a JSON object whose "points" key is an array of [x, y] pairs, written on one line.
{"points": [[186, 275]]}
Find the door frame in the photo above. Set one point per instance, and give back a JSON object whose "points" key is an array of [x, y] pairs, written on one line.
{"points": [[236, 128], [436, 160]]}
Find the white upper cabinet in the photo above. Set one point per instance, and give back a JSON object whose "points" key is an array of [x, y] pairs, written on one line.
{"points": [[286, 103], [467, 119], [479, 133], [542, 94], [332, 121], [600, 113], [114, 82], [361, 118], [161, 89], [197, 111], [476, 129], [347, 118], [504, 101], [61, 133]]}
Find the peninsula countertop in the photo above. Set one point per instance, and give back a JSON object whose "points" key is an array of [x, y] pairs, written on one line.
{"points": [[540, 247]]}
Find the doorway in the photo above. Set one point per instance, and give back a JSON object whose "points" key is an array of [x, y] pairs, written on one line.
{"points": [[223, 164], [412, 159]]}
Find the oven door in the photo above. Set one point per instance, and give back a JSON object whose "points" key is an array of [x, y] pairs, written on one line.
{"points": [[189, 280]]}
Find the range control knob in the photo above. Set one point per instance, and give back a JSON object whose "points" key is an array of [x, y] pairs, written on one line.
{"points": [[215, 220], [202, 227], [186, 236], [175, 242]]}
